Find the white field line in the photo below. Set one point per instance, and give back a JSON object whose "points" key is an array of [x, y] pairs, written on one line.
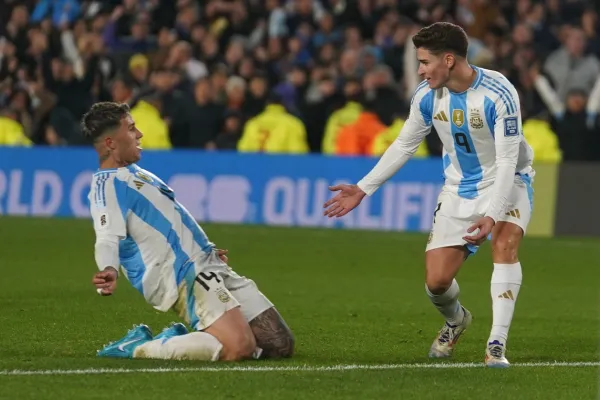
{"points": [[301, 368]]}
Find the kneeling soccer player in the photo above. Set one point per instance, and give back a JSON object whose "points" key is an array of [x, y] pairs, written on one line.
{"points": [[168, 258]]}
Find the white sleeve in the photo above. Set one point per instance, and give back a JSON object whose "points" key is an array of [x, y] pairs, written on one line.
{"points": [[508, 134], [416, 127], [593, 104], [549, 96], [109, 208]]}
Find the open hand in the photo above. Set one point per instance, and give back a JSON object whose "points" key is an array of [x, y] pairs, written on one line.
{"points": [[485, 225], [106, 281], [348, 198]]}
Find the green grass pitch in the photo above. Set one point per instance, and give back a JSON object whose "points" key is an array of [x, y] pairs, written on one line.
{"points": [[351, 298]]}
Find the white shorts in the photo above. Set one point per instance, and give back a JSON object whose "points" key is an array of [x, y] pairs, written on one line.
{"points": [[455, 214], [212, 288]]}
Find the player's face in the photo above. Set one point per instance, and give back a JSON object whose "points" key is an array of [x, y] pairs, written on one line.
{"points": [[434, 68], [126, 142]]}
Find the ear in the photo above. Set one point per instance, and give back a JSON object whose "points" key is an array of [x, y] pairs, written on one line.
{"points": [[450, 60], [109, 143]]}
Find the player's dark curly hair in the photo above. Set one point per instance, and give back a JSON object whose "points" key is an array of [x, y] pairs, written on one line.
{"points": [[442, 37], [103, 117]]}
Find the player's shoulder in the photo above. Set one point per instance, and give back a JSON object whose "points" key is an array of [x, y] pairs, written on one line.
{"points": [[423, 96], [138, 173], [422, 90], [494, 81]]}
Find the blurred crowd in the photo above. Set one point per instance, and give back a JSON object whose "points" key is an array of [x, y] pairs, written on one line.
{"points": [[286, 76]]}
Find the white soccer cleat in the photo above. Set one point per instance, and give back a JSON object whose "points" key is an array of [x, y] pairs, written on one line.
{"points": [[443, 345], [494, 355]]}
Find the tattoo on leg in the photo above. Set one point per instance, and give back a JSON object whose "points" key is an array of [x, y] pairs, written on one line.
{"points": [[272, 334]]}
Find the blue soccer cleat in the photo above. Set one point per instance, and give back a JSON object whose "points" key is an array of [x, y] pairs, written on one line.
{"points": [[175, 329], [125, 347]]}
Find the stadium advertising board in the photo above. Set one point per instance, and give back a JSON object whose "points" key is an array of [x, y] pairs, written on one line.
{"points": [[246, 188], [227, 187]]}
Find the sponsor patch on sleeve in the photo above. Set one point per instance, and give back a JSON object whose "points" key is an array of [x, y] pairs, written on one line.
{"points": [[511, 126]]}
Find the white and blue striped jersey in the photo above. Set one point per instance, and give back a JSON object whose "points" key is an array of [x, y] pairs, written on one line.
{"points": [[469, 125], [157, 237], [478, 128]]}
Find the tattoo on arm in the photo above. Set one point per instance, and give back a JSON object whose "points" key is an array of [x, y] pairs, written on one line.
{"points": [[272, 334]]}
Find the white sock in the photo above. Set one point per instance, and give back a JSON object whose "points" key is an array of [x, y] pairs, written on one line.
{"points": [[506, 282], [199, 346], [447, 303]]}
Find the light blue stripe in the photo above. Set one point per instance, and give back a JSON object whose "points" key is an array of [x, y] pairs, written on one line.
{"points": [[527, 179], [148, 213], [426, 107], [446, 161], [417, 90], [504, 90], [131, 259], [489, 108], [103, 190], [502, 97], [469, 162], [479, 76], [199, 236], [121, 190], [190, 281]]}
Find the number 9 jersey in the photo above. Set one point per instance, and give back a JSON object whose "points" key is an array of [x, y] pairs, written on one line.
{"points": [[481, 132], [473, 126]]}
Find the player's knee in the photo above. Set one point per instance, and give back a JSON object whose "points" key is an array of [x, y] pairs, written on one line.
{"points": [[282, 347], [505, 249], [241, 349], [438, 284]]}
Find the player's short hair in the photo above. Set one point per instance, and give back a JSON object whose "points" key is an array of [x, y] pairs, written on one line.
{"points": [[103, 117], [442, 37]]}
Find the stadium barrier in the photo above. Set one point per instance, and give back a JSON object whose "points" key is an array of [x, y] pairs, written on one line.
{"points": [[246, 188], [578, 207]]}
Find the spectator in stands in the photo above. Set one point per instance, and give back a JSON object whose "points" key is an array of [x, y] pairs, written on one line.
{"points": [[230, 134], [71, 53], [205, 116], [384, 139], [570, 68], [147, 116], [356, 138], [275, 130]]}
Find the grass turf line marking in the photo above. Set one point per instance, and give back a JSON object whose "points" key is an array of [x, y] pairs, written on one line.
{"points": [[302, 368]]}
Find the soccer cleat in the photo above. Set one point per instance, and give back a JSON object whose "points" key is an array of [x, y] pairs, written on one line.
{"points": [[443, 345], [125, 347], [494, 355], [175, 329]]}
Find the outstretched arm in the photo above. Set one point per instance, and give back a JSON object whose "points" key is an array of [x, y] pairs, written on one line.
{"points": [[273, 335], [412, 134], [417, 126]]}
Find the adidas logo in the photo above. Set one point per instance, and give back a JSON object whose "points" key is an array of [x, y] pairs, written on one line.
{"points": [[441, 116], [507, 295], [138, 184], [514, 213]]}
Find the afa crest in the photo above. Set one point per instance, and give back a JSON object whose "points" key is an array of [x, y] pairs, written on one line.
{"points": [[475, 120], [143, 176], [458, 117], [223, 295]]}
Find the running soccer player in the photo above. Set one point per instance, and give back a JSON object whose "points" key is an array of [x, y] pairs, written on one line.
{"points": [[168, 258], [488, 171]]}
